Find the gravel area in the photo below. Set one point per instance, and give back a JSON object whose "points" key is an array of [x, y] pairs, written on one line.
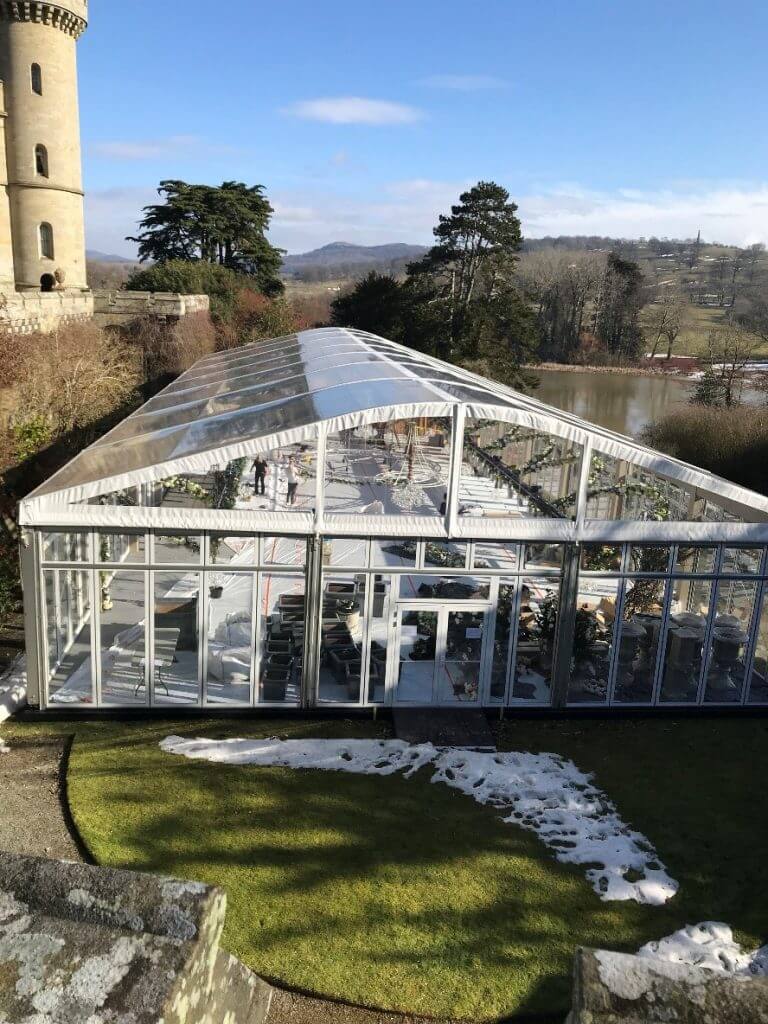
{"points": [[33, 819], [291, 1008]]}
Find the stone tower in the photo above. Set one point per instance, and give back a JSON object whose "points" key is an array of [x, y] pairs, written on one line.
{"points": [[38, 66]]}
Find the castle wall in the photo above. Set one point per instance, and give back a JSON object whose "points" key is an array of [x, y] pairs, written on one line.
{"points": [[119, 308]]}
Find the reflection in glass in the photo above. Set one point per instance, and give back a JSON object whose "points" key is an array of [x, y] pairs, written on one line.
{"points": [[618, 489], [444, 588], [230, 637], [177, 547], [742, 561], [123, 641], [395, 468], [502, 641], [443, 554], [121, 548], [68, 621], [345, 551], [66, 547], [393, 553], [536, 636], [592, 640], [734, 605], [543, 556], [458, 676], [695, 558], [600, 558], [684, 648], [416, 656], [649, 558], [758, 686], [237, 550], [176, 638], [511, 470], [503, 555], [378, 634], [342, 638], [284, 551], [639, 640], [281, 629]]}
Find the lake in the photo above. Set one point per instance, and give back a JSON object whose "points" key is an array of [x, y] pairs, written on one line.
{"points": [[621, 402]]}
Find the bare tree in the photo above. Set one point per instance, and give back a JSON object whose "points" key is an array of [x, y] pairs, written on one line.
{"points": [[663, 319]]}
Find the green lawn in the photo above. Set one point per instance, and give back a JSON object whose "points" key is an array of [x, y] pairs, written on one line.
{"points": [[401, 894]]}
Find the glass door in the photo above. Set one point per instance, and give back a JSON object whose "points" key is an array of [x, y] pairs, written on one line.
{"points": [[417, 635], [460, 662]]}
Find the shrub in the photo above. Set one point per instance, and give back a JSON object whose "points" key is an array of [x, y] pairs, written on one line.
{"points": [[166, 350], [731, 442], [194, 277]]}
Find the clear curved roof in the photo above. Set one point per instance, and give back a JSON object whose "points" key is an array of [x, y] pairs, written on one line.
{"points": [[276, 392]]}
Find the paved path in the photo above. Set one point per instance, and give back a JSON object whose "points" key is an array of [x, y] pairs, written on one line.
{"points": [[33, 819]]}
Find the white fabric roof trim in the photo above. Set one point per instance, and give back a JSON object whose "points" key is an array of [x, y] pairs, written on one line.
{"points": [[257, 357]]}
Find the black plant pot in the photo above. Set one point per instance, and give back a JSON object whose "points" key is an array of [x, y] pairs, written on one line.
{"points": [[215, 591]]}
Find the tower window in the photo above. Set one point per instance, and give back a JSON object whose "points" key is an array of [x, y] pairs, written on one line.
{"points": [[46, 241], [41, 161], [37, 79]]}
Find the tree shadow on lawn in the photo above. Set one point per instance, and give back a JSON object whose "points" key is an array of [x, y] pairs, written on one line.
{"points": [[383, 891]]}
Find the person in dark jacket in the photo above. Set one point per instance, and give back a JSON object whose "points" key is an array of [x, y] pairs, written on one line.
{"points": [[260, 469]]}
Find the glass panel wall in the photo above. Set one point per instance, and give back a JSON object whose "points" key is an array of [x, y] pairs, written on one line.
{"points": [[342, 638], [417, 656], [378, 637], [66, 547], [395, 468], [458, 674], [517, 472], [122, 648], [726, 668], [229, 637], [503, 639], [68, 614], [758, 684], [122, 548], [592, 650], [282, 614], [684, 645], [536, 639], [638, 639], [176, 636]]}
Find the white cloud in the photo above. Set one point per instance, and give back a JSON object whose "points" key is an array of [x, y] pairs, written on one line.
{"points": [[354, 110], [112, 214], [730, 213], [464, 83], [147, 149]]}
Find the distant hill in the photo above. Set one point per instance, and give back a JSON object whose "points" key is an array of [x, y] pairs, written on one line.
{"points": [[106, 257], [344, 259]]}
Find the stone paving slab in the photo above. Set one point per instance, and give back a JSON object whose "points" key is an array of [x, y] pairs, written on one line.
{"points": [[444, 727]]}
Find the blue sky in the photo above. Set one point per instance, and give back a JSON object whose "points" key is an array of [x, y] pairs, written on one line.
{"points": [[366, 119]]}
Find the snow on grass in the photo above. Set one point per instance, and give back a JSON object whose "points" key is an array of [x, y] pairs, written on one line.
{"points": [[709, 945], [543, 793]]}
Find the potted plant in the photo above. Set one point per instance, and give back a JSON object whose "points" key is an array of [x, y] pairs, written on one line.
{"points": [[216, 587]]}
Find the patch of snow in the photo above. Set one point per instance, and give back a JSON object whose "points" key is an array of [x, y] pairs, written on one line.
{"points": [[543, 793], [709, 945], [13, 689]]}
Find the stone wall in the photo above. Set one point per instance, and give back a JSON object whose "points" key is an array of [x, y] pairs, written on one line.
{"points": [[119, 308], [616, 988], [26, 312], [85, 944]]}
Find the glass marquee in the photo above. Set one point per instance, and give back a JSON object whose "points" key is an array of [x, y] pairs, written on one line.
{"points": [[330, 517]]}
